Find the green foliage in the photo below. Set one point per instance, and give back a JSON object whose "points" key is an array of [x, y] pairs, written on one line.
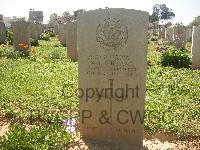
{"points": [[50, 50], [195, 22], [43, 92], [172, 101], [10, 52], [39, 138], [45, 36], [9, 37], [51, 34], [34, 42], [179, 24], [55, 55], [176, 58], [33, 90], [153, 39]]}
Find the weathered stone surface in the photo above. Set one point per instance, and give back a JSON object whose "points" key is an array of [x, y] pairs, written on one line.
{"points": [[71, 41], [21, 36], [62, 33], [179, 37], [56, 29], [112, 51], [189, 34], [169, 35], [161, 33], [196, 47], [1, 18], [2, 33], [36, 30]]}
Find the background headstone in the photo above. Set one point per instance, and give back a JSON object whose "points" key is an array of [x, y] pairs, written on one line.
{"points": [[62, 28], [161, 33], [196, 47], [169, 35], [56, 29], [179, 37], [21, 36], [36, 30], [71, 41], [189, 34], [112, 56], [2, 33], [1, 18]]}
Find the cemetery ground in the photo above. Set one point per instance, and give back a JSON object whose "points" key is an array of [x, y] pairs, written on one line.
{"points": [[38, 98]]}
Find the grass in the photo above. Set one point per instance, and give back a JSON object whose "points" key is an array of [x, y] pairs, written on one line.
{"points": [[40, 91]]}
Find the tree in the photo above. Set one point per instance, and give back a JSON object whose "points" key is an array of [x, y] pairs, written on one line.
{"points": [[78, 12], [155, 15], [179, 24], [195, 22], [66, 17], [161, 13]]}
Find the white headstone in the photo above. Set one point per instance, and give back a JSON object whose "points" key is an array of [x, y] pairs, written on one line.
{"points": [[21, 36], [62, 28], [196, 47], [169, 35], [36, 30], [112, 50], [71, 38], [179, 37], [2, 33]]}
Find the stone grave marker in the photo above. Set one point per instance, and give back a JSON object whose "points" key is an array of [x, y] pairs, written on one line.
{"points": [[36, 30], [112, 51], [21, 36], [169, 35], [189, 34], [179, 37], [161, 33], [1, 18], [196, 47], [71, 41], [62, 33], [2, 33]]}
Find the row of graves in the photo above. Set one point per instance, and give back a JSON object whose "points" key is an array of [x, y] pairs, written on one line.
{"points": [[179, 36], [2, 31], [24, 31], [67, 34], [111, 48]]}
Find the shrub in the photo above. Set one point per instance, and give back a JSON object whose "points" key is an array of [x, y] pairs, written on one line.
{"points": [[10, 52], [51, 34], [45, 36], [154, 39], [44, 137], [55, 55], [176, 58], [34, 42], [9, 37]]}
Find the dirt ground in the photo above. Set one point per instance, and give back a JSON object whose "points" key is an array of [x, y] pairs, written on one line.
{"points": [[153, 144], [157, 142]]}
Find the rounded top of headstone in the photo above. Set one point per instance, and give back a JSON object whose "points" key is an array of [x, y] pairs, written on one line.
{"points": [[114, 9]]}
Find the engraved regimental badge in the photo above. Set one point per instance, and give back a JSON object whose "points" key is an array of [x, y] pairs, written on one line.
{"points": [[111, 34]]}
